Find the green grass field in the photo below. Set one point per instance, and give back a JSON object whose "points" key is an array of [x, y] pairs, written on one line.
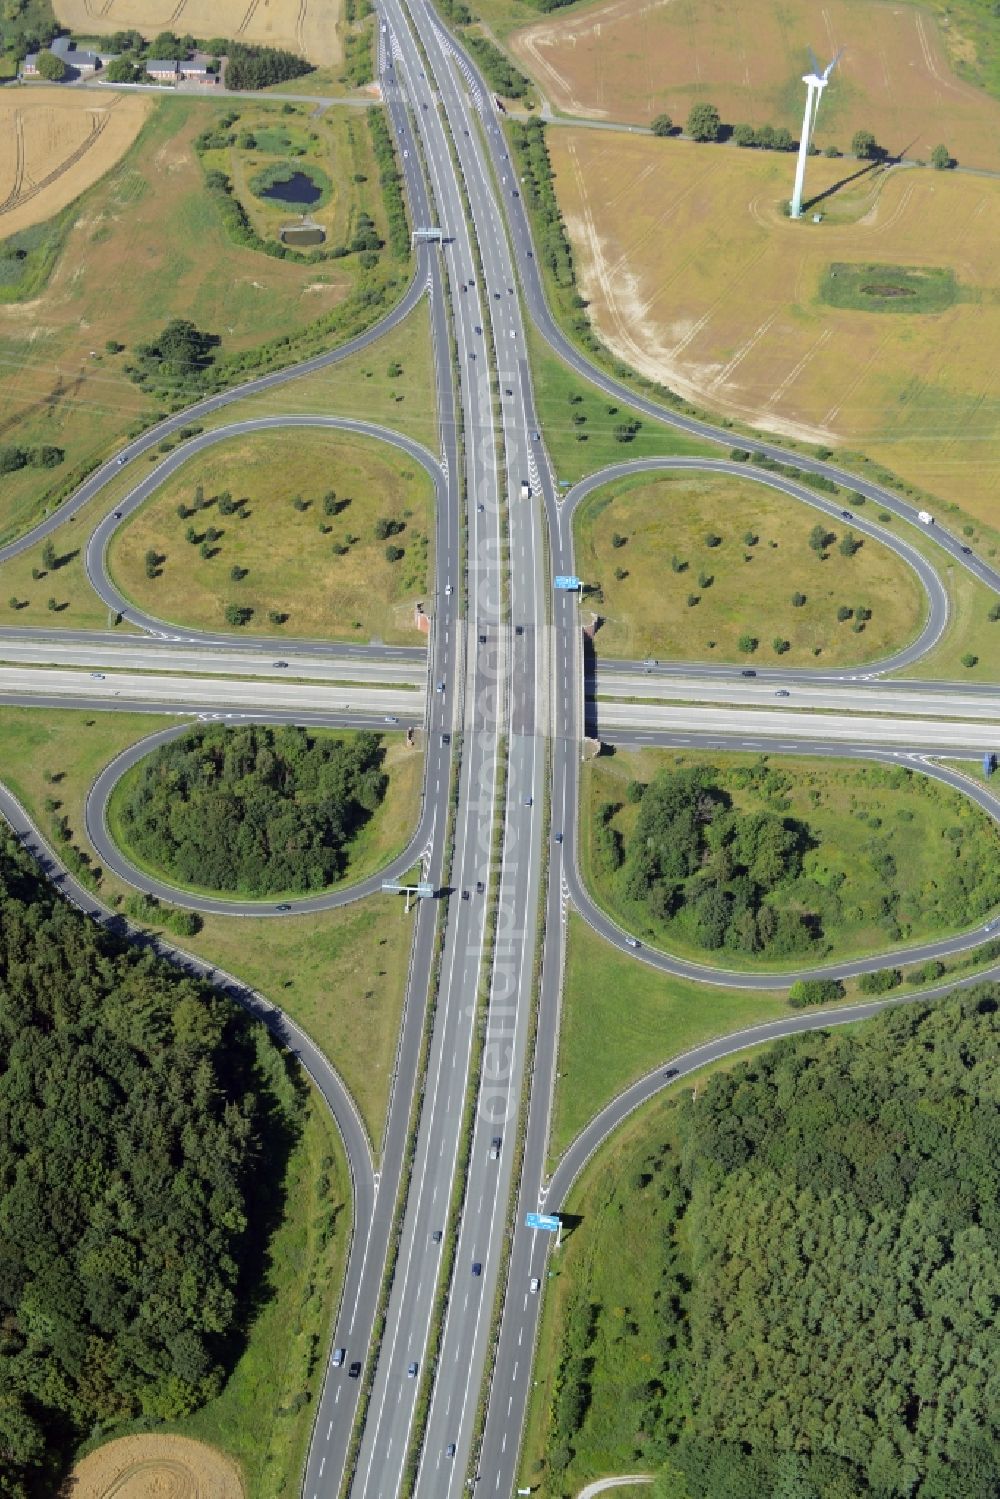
{"points": [[621, 1018], [893, 856], [283, 542], [970, 632], [391, 382], [681, 598], [365, 385], [579, 422], [147, 244], [888, 288], [340, 974]]}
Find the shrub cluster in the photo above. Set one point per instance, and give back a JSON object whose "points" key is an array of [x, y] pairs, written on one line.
{"points": [[498, 70], [391, 183], [359, 58], [764, 137], [792, 471], [805, 992], [528, 140], [13, 457]]}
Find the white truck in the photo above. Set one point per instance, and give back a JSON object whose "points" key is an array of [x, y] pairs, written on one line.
{"points": [[525, 490], [925, 518]]}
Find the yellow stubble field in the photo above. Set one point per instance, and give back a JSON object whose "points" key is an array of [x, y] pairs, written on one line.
{"points": [[309, 27], [695, 278], [632, 59], [54, 143]]}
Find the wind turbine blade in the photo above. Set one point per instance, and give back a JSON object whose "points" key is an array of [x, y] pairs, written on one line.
{"points": [[813, 60], [833, 63]]}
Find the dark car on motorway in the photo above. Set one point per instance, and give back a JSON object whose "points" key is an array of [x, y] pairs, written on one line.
{"points": [[355, 1370], [477, 1268]]}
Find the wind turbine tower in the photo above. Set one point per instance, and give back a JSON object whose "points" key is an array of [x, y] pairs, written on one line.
{"points": [[815, 83]]}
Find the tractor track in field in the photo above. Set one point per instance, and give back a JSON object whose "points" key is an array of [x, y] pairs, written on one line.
{"points": [[17, 198]]}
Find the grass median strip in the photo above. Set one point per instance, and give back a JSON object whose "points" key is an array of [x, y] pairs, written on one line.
{"points": [[620, 1017]]}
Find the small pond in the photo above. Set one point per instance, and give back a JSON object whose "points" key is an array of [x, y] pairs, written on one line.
{"points": [[295, 188], [303, 234]]}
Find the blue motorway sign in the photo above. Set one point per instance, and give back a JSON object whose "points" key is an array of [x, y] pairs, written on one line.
{"points": [[542, 1220]]}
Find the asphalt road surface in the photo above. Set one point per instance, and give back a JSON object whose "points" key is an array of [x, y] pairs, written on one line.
{"points": [[285, 662], [891, 697], [763, 728], [505, 673], [216, 694]]}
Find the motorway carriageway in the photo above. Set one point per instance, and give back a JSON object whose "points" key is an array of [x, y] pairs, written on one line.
{"points": [[198, 695], [926, 699], [737, 729], [137, 654]]}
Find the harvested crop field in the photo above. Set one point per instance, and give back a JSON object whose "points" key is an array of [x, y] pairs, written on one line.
{"points": [[632, 59], [309, 27], [56, 142], [696, 279], [155, 1467]]}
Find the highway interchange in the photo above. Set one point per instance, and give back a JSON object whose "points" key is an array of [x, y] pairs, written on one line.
{"points": [[509, 725]]}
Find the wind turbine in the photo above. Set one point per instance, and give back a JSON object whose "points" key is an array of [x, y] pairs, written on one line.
{"points": [[815, 83]]}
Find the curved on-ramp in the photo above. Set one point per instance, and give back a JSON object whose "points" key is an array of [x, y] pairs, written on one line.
{"points": [[171, 425], [95, 558], [708, 973], [96, 823], [604, 1485], [937, 598], [590, 1139]]}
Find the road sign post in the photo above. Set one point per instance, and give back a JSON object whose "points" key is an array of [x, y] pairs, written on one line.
{"points": [[423, 890]]}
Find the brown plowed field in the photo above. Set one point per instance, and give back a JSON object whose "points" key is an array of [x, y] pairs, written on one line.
{"points": [[629, 60], [155, 1467], [695, 278], [309, 27], [54, 143]]}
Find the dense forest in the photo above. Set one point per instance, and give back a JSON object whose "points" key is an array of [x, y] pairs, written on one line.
{"points": [[694, 855], [815, 1280], [252, 809], [142, 1120]]}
